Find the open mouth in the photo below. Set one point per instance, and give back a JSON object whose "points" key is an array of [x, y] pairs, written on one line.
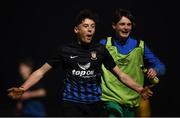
{"points": [[89, 35], [125, 32]]}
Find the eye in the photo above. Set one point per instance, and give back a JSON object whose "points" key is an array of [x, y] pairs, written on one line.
{"points": [[93, 26], [85, 25], [121, 24], [129, 24]]}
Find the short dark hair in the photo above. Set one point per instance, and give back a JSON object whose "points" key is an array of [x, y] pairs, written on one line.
{"points": [[119, 13], [83, 14]]}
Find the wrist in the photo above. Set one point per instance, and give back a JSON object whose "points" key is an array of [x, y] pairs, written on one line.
{"points": [[141, 90], [22, 88]]}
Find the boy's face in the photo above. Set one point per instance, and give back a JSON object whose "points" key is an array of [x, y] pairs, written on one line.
{"points": [[123, 27], [85, 31]]}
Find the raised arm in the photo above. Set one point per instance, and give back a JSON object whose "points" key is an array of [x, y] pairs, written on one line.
{"points": [[16, 92], [36, 76]]}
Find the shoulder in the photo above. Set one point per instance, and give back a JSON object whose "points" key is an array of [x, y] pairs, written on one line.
{"points": [[65, 47], [135, 40]]}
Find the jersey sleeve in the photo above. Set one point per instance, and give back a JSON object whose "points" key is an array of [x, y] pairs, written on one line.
{"points": [[56, 58], [108, 61]]}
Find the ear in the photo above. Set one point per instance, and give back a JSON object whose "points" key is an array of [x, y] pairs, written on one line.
{"points": [[76, 30], [113, 25]]}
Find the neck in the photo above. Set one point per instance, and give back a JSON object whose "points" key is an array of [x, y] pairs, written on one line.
{"points": [[82, 43], [121, 39]]}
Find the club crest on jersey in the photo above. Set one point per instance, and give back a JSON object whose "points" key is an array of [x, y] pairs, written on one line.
{"points": [[93, 55]]}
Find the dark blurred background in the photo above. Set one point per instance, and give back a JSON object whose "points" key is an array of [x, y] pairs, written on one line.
{"points": [[34, 28]]}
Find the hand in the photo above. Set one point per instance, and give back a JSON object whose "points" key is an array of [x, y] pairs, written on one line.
{"points": [[146, 92], [15, 93], [151, 73]]}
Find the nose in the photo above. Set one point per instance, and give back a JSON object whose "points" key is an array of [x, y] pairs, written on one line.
{"points": [[126, 26], [90, 29]]}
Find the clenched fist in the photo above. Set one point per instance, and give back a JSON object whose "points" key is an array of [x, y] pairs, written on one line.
{"points": [[15, 93]]}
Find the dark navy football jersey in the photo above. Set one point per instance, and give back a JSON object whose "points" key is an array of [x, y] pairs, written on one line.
{"points": [[82, 66]]}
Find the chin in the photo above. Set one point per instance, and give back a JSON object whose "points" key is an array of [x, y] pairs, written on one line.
{"points": [[124, 36], [88, 42]]}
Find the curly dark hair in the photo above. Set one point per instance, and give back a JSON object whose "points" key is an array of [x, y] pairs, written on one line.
{"points": [[83, 14]]}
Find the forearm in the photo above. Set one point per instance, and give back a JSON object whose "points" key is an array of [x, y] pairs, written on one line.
{"points": [[17, 92], [126, 79], [33, 79], [36, 76]]}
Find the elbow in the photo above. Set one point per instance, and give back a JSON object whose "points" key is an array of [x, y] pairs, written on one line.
{"points": [[161, 70]]}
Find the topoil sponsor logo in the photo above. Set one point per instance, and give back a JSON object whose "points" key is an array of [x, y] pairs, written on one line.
{"points": [[83, 71]]}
